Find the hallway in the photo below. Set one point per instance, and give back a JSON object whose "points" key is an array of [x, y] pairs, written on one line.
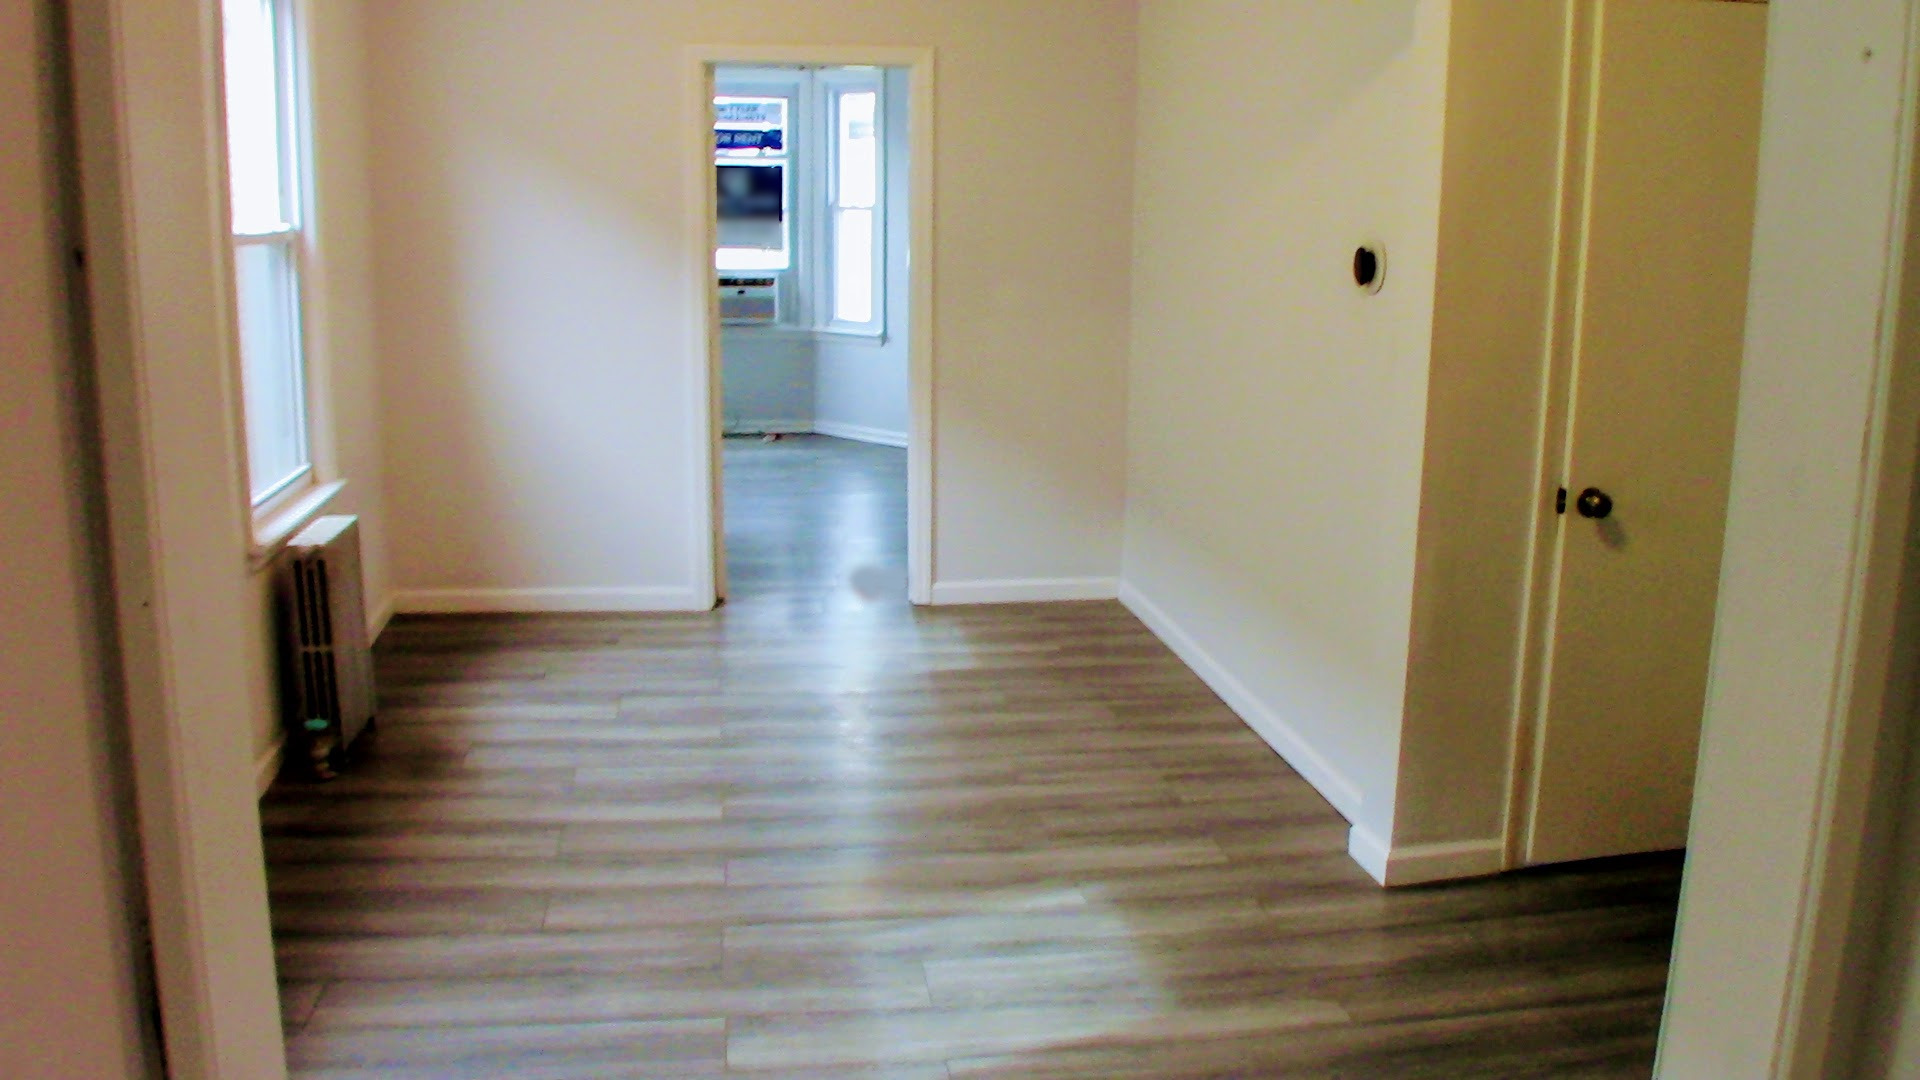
{"points": [[822, 833]]}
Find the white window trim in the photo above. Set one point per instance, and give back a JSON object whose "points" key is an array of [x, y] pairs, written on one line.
{"points": [[291, 512], [839, 336]]}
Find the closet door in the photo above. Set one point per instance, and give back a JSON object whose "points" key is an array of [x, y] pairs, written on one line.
{"points": [[1674, 133]]}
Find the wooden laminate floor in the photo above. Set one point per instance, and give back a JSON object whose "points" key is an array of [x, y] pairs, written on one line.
{"points": [[820, 833]]}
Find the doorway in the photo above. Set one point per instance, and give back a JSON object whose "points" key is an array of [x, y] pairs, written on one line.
{"points": [[811, 263], [815, 176]]}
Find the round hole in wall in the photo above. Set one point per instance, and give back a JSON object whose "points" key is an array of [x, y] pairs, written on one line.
{"points": [[1370, 267]]}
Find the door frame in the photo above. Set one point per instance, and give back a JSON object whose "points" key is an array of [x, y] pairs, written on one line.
{"points": [[147, 108], [1817, 643], [1579, 79], [704, 406]]}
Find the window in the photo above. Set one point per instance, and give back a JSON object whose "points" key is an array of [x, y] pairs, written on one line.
{"points": [[754, 177], [800, 184], [858, 262], [266, 187]]}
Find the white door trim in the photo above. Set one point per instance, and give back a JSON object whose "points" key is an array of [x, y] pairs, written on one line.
{"points": [[146, 82], [703, 451], [1559, 362], [1811, 668]]}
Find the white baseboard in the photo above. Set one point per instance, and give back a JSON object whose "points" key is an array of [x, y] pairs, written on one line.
{"points": [[486, 601], [267, 766], [1418, 864], [1261, 717], [1370, 852], [1023, 591], [769, 427], [860, 433], [382, 615]]}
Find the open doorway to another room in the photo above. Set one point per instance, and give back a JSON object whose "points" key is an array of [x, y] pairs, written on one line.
{"points": [[811, 271]]}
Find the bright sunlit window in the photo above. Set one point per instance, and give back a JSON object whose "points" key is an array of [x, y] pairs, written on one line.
{"points": [[754, 176], [264, 171], [857, 261]]}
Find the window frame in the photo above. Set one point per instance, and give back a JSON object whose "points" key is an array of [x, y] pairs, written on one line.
{"points": [[274, 512], [832, 85]]}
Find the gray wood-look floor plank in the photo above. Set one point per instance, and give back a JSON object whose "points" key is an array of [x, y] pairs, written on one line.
{"points": [[820, 833]]}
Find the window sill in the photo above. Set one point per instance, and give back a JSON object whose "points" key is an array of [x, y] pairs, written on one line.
{"points": [[851, 337], [777, 332], [271, 534]]}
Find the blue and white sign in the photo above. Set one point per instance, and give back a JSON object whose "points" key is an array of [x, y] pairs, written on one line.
{"points": [[749, 140], [751, 113]]}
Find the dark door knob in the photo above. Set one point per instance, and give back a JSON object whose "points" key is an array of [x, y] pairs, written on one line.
{"points": [[1595, 504]]}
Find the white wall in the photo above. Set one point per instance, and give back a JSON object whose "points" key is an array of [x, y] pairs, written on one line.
{"points": [[860, 388], [534, 296], [1277, 416], [67, 904], [767, 380], [342, 287]]}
